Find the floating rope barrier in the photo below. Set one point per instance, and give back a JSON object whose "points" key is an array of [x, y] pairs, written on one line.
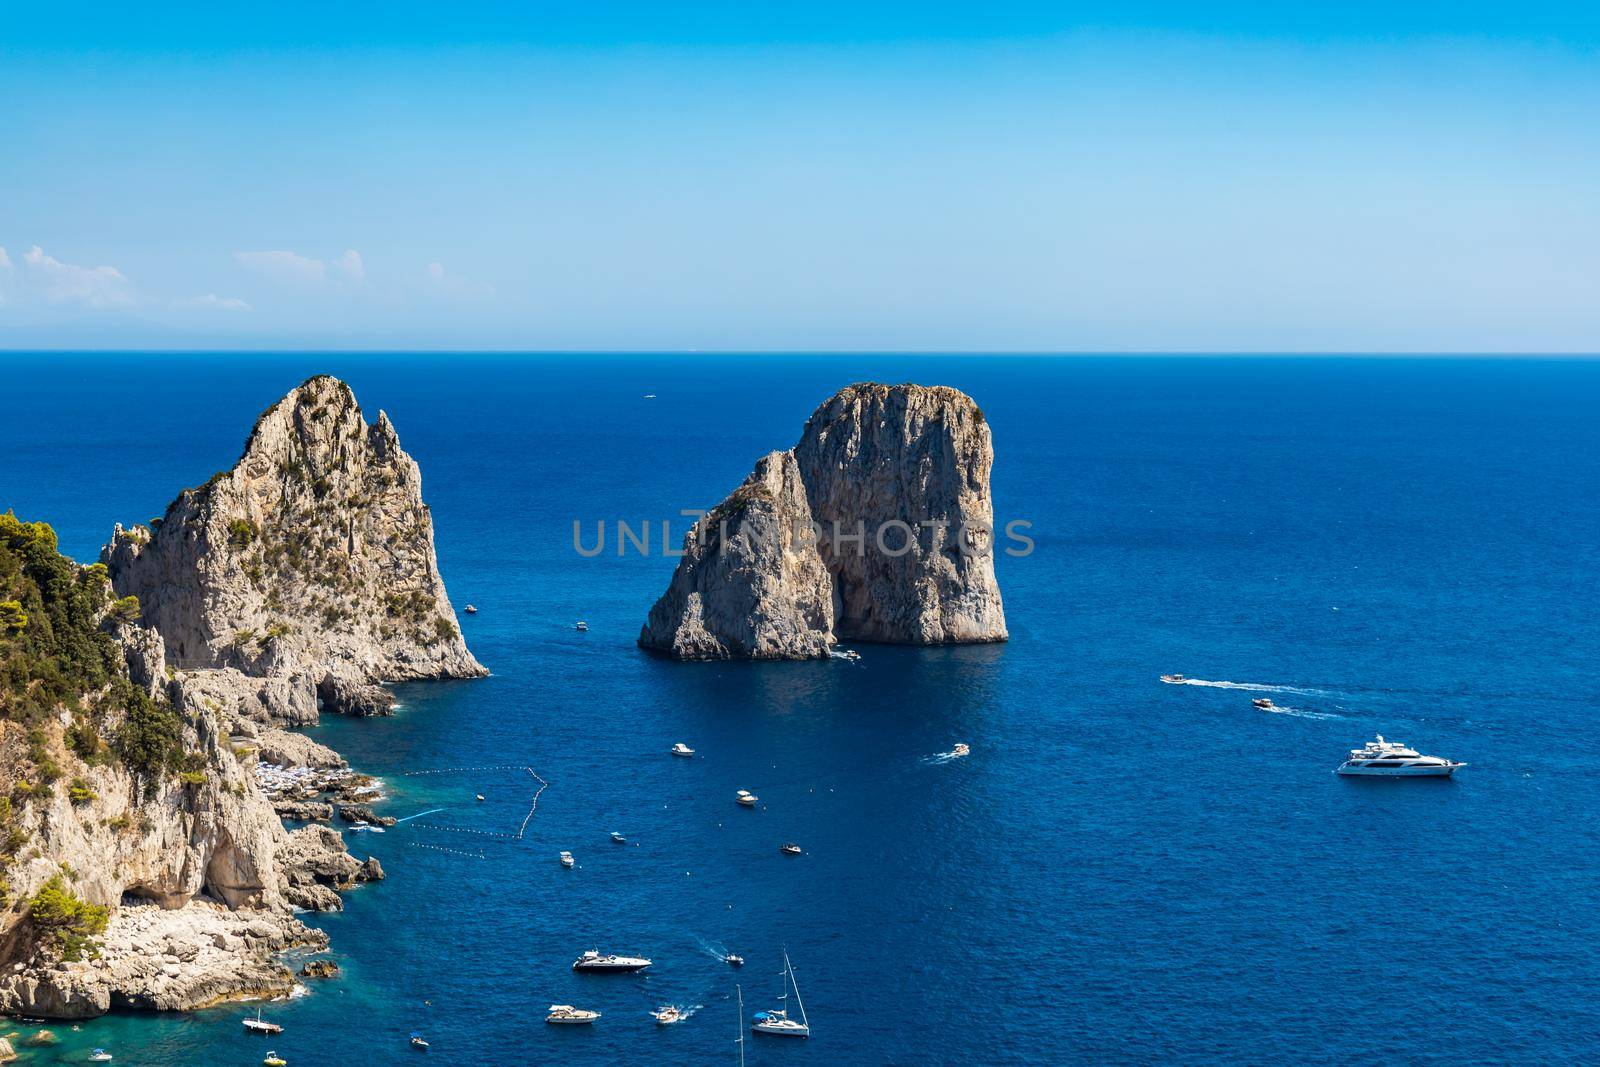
{"points": [[521, 830], [452, 851]]}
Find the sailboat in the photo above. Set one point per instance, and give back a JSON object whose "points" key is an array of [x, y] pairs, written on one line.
{"points": [[778, 1022], [741, 1023]]}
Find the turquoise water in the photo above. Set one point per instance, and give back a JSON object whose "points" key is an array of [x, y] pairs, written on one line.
{"points": [[1121, 871]]}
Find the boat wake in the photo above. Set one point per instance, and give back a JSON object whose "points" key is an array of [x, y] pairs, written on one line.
{"points": [[1254, 687], [940, 758], [715, 949], [1301, 713]]}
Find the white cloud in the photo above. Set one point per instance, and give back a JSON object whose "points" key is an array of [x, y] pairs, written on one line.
{"points": [[441, 281], [211, 301], [285, 266], [96, 287], [5, 260], [350, 263]]}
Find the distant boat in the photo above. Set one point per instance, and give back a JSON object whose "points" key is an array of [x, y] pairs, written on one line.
{"points": [[259, 1025], [778, 1023], [649, 396], [470, 609], [567, 860], [789, 849], [681, 749], [275, 1060], [1393, 760], [745, 798], [733, 961], [594, 963], [1172, 679], [961, 750], [1263, 702], [618, 839], [480, 798], [666, 1015], [99, 1055], [567, 1015], [419, 1042], [581, 626]]}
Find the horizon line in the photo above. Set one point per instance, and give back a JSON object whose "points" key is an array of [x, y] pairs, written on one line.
{"points": [[824, 353]]}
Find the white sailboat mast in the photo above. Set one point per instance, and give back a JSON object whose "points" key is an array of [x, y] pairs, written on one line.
{"points": [[795, 982]]}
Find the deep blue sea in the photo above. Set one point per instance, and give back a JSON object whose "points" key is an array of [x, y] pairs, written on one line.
{"points": [[1122, 871]]}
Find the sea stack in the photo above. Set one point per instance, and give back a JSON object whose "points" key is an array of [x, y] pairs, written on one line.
{"points": [[876, 526], [309, 567]]}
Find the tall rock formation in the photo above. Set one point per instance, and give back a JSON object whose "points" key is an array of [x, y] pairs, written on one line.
{"points": [[877, 526], [308, 568]]}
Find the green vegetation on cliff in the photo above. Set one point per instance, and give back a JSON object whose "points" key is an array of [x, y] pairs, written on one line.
{"points": [[66, 922], [54, 655]]}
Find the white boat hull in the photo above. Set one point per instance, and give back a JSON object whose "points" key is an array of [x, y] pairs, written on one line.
{"points": [[1436, 770], [777, 1030]]}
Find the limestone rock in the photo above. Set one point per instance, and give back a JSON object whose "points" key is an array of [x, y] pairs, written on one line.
{"points": [[310, 564], [319, 969], [750, 584], [7, 1053], [876, 526]]}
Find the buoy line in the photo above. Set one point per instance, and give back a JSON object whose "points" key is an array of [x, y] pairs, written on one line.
{"points": [[521, 830], [452, 851]]}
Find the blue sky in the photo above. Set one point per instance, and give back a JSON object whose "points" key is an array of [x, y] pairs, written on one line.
{"points": [[591, 176]]}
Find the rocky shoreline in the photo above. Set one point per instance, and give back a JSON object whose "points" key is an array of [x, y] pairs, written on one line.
{"points": [[288, 587]]}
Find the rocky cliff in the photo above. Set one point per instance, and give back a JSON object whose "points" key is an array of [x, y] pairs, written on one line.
{"points": [[876, 526], [308, 568], [143, 863]]}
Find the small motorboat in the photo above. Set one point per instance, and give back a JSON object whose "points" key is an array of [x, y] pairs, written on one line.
{"points": [[681, 749], [618, 839], [99, 1055], [582, 627], [480, 798], [745, 798], [567, 1015], [1173, 679], [1263, 702], [666, 1015], [789, 849], [961, 749], [567, 860], [419, 1042], [733, 961], [258, 1025], [275, 1060], [594, 963], [470, 609]]}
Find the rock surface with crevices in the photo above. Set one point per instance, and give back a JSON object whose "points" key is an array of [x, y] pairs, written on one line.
{"points": [[876, 526]]}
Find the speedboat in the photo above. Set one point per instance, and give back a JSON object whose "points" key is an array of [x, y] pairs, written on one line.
{"points": [[1394, 760], [419, 1042], [789, 849], [480, 798], [1172, 679], [666, 1015], [594, 963], [581, 627], [618, 838], [961, 750], [567, 1015], [259, 1025], [1263, 703], [471, 610], [745, 798], [99, 1055], [681, 749], [567, 860], [275, 1060], [777, 1023], [733, 961]]}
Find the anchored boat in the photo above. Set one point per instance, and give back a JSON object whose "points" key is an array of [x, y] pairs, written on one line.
{"points": [[258, 1025], [777, 1023], [681, 749], [594, 963], [745, 798], [567, 1015], [1393, 760]]}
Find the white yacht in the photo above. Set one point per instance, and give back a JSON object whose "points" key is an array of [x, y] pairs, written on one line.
{"points": [[592, 962], [567, 1015], [100, 1055], [745, 798], [567, 860], [777, 1023], [1392, 759], [681, 749], [666, 1015]]}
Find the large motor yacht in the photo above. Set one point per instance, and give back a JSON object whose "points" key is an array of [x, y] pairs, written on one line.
{"points": [[592, 961], [1392, 759]]}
